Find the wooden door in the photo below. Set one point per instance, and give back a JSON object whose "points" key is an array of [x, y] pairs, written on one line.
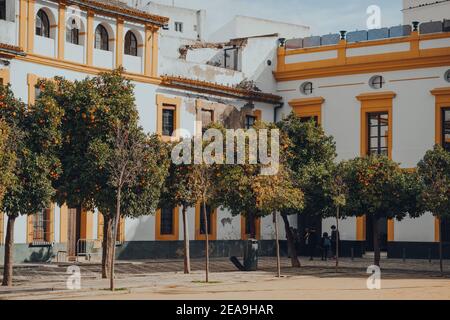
{"points": [[73, 232]]}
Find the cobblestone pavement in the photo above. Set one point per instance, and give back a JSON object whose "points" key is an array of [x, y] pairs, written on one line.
{"points": [[39, 279]]}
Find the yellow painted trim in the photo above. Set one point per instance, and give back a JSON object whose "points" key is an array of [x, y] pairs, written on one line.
{"points": [[213, 235], [391, 230], [73, 66], [90, 39], [121, 230], [23, 24], [4, 74], [257, 114], [155, 49], [61, 30], [361, 228], [30, 232], [148, 51], [119, 43], [32, 80], [375, 102], [31, 26], [245, 236], [308, 107], [343, 65], [442, 100], [437, 227], [63, 224], [100, 224], [162, 102], [176, 231]]}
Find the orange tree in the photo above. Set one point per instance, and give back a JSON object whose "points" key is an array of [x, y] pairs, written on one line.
{"points": [[35, 139], [245, 191], [434, 171], [310, 156], [379, 188], [93, 109], [178, 191]]}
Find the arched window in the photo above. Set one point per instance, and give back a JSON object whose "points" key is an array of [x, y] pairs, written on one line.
{"points": [[101, 38], [42, 24], [73, 33], [2, 9], [131, 44]]}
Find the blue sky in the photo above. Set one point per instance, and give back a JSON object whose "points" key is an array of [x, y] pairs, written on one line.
{"points": [[323, 16]]}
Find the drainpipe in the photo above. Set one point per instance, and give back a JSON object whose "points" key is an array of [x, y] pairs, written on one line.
{"points": [[275, 111]]}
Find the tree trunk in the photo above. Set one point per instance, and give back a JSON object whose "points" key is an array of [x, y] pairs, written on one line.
{"points": [[337, 237], [275, 220], [207, 243], [113, 240], [291, 242], [9, 256], [376, 243], [187, 259], [106, 247], [441, 266]]}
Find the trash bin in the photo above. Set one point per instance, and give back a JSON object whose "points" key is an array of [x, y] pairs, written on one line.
{"points": [[251, 255]]}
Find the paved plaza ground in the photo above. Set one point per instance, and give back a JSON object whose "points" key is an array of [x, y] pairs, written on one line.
{"points": [[164, 279]]}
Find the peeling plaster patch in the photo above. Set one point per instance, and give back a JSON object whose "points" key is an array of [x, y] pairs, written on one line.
{"points": [[209, 73], [190, 106]]}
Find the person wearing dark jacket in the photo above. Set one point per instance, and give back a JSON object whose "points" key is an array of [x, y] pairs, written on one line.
{"points": [[335, 237], [325, 244]]}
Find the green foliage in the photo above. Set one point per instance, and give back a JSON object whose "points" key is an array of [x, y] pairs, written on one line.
{"points": [[311, 156], [36, 140], [379, 188], [177, 189], [434, 171], [244, 191], [94, 107], [7, 160]]}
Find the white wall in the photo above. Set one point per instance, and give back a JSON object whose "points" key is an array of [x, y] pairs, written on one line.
{"points": [[418, 230]]}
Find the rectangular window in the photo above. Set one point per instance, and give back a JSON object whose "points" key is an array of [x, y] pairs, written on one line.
{"points": [[378, 133], [308, 119], [2, 9], [446, 128], [209, 212], [179, 27], [73, 35], [250, 122], [41, 226], [167, 221], [168, 119], [207, 119]]}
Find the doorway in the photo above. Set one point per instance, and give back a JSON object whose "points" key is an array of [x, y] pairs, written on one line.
{"points": [[74, 230], [383, 234]]}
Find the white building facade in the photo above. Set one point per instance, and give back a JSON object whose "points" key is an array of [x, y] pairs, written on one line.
{"points": [[76, 39], [381, 91], [398, 78]]}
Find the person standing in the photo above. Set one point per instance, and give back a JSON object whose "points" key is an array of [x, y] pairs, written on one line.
{"points": [[325, 244], [335, 238]]}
